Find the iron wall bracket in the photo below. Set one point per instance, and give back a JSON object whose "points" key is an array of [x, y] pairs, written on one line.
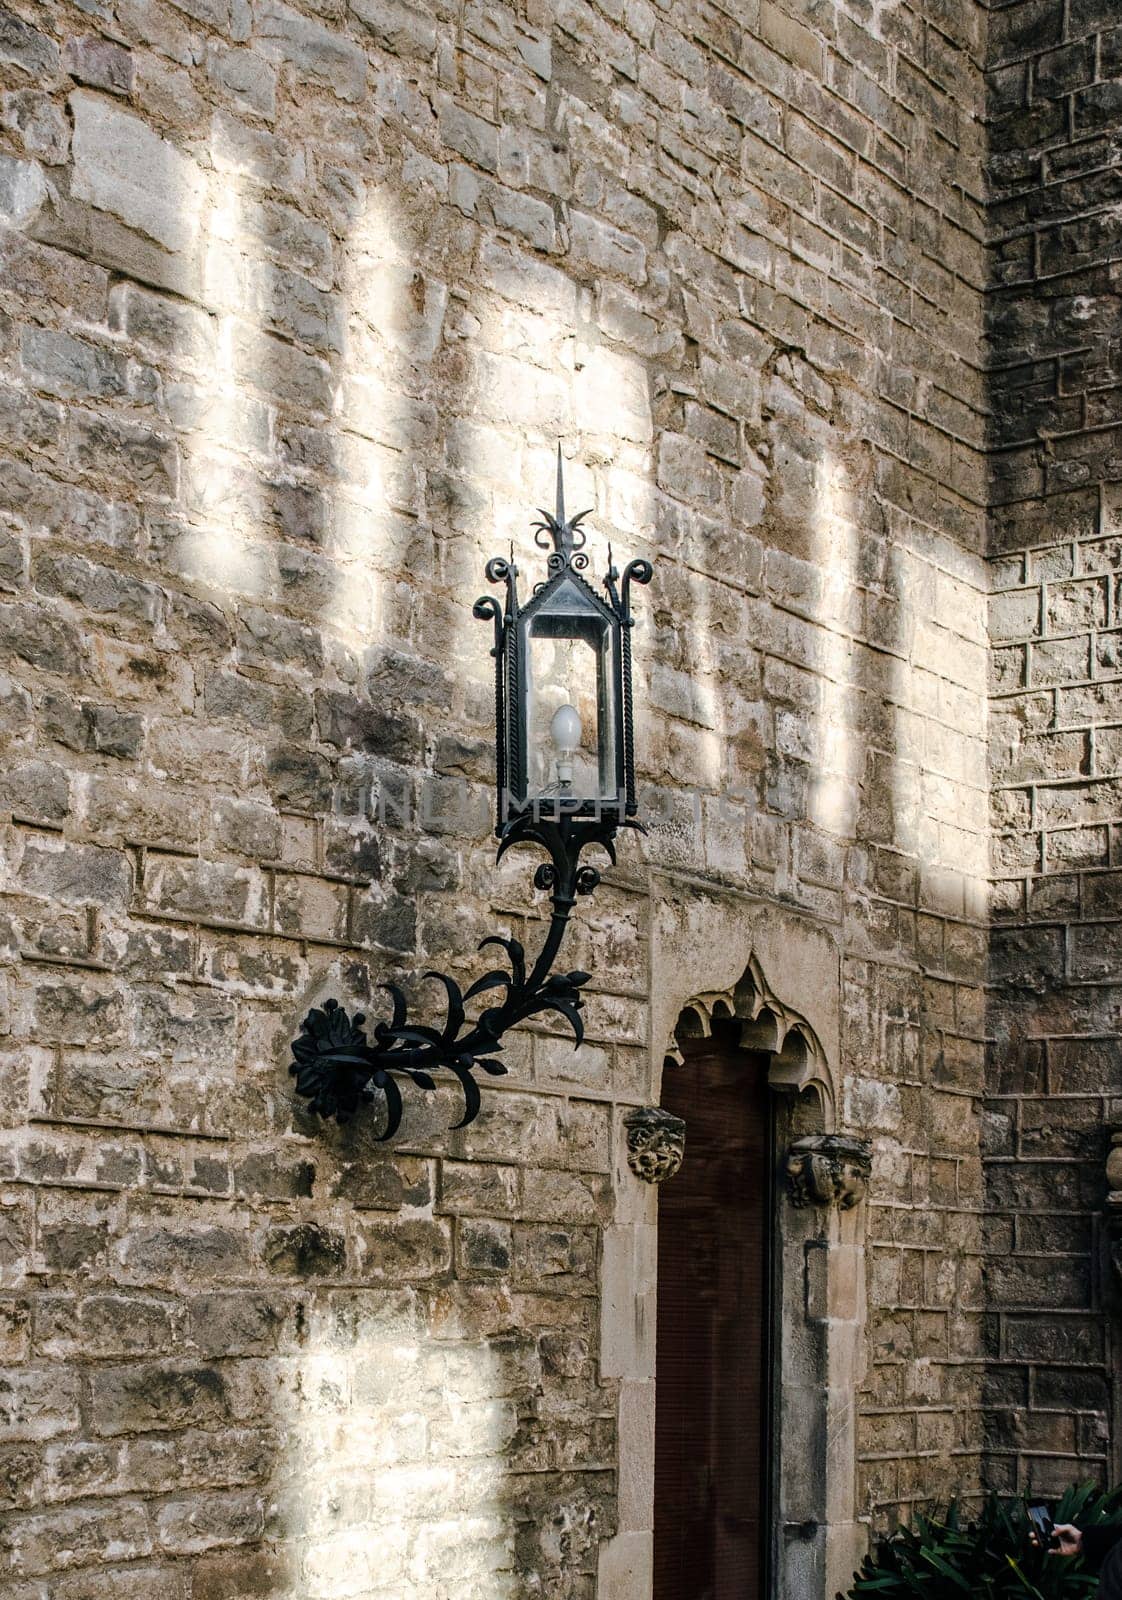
{"points": [[338, 1068]]}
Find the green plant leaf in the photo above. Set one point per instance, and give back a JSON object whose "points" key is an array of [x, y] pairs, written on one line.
{"points": [[985, 1551], [943, 1566]]}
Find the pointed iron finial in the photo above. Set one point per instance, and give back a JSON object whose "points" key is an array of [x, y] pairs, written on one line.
{"points": [[567, 535]]}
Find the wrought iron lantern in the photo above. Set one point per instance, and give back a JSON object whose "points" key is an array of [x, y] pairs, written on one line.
{"points": [[563, 701], [565, 780]]}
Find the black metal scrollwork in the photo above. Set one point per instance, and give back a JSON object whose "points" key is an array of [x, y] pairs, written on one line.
{"points": [[338, 1069]]}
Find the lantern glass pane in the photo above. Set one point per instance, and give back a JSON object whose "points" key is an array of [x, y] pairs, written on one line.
{"points": [[570, 664]]}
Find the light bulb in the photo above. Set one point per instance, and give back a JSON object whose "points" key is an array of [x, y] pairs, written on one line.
{"points": [[565, 731]]}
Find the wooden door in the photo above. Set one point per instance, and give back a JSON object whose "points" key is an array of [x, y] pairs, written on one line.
{"points": [[714, 1227]]}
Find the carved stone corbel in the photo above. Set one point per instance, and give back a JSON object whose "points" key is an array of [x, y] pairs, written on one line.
{"points": [[656, 1142], [828, 1169]]}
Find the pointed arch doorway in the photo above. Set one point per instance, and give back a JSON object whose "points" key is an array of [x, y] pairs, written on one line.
{"points": [[713, 1340]]}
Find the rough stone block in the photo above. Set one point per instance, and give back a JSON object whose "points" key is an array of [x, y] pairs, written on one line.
{"points": [[210, 1521], [406, 1250], [78, 1012], [150, 457], [142, 1396], [38, 122], [53, 276], [597, 247], [322, 54], [37, 1403], [210, 890], [79, 1537], [23, 191], [484, 1248], [25, 47], [76, 874], [98, 588], [36, 791], [98, 62], [122, 166], [257, 704], [250, 82], [67, 366]]}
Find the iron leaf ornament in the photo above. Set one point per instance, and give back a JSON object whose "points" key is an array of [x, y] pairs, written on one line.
{"points": [[339, 1068]]}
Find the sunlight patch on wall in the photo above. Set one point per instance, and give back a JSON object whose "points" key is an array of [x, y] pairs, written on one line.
{"points": [[533, 382], [937, 688], [393, 1467], [919, 768], [227, 427], [613, 442], [836, 774], [394, 318]]}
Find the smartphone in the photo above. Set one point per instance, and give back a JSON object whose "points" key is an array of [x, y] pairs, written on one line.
{"points": [[1041, 1519]]}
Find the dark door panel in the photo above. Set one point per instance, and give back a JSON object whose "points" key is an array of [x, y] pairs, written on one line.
{"points": [[713, 1232]]}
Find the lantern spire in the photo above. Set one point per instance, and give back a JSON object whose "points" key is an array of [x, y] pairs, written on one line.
{"points": [[566, 532]]}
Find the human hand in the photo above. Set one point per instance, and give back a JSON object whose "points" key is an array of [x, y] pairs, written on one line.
{"points": [[1066, 1540]]}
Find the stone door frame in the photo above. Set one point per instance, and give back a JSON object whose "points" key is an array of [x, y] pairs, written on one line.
{"points": [[723, 954]]}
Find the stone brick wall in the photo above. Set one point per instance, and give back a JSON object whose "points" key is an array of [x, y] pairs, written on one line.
{"points": [[295, 302], [1056, 1070]]}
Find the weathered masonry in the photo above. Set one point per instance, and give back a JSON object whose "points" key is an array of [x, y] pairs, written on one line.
{"points": [[822, 300], [1054, 314]]}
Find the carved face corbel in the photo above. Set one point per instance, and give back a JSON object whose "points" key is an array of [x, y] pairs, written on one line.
{"points": [[656, 1142], [829, 1169]]}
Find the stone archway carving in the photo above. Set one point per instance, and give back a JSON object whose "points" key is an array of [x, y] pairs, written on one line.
{"points": [[798, 1059], [719, 953]]}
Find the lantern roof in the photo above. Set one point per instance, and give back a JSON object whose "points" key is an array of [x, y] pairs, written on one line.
{"points": [[567, 560]]}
